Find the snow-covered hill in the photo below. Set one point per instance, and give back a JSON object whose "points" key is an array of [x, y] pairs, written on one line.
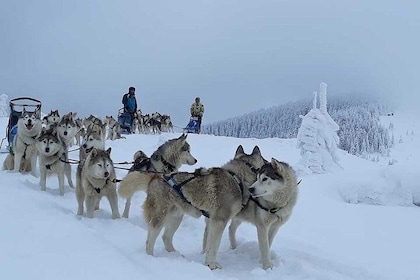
{"points": [[337, 230]]}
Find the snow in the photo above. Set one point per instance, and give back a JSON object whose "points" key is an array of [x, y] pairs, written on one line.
{"points": [[355, 223]]}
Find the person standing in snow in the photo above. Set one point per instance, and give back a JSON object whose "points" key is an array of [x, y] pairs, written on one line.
{"points": [[197, 110], [130, 105]]}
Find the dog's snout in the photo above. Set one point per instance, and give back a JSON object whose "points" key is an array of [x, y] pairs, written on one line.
{"points": [[65, 132], [29, 121], [251, 190], [84, 146], [47, 150], [106, 174]]}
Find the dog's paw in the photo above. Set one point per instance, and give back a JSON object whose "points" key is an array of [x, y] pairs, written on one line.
{"points": [[117, 216], [267, 265], [214, 265]]}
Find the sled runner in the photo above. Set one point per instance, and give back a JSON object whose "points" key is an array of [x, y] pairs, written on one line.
{"points": [[17, 106], [193, 126]]}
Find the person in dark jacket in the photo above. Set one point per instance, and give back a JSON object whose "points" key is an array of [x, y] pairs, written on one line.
{"points": [[129, 101], [130, 105]]}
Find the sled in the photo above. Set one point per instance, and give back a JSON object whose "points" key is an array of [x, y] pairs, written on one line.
{"points": [[17, 105], [193, 126], [125, 120]]}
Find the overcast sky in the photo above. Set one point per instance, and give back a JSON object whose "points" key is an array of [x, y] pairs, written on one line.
{"points": [[237, 55]]}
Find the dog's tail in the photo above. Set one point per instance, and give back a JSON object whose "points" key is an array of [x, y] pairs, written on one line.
{"points": [[135, 181]]}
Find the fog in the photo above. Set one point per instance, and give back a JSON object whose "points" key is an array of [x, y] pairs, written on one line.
{"points": [[238, 56]]}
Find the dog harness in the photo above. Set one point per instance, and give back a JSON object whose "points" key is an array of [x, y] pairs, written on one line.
{"points": [[48, 166], [170, 180], [139, 164]]}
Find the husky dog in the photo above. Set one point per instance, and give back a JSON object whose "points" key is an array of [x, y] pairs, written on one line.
{"points": [[167, 125], [114, 129], [51, 119], [216, 193], [166, 159], [135, 125], [51, 153], [93, 138], [80, 130], [96, 124], [24, 152], [97, 180], [67, 129], [155, 123], [274, 195]]}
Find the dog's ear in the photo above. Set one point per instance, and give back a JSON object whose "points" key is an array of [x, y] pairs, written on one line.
{"points": [[256, 151], [108, 151], [183, 137], [239, 151], [276, 165], [73, 114], [94, 152]]}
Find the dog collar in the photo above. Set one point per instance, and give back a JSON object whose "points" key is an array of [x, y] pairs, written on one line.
{"points": [[269, 210], [171, 167]]}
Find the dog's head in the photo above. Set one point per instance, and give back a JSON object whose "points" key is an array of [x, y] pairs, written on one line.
{"points": [[273, 179], [255, 159], [93, 139], [53, 117], [100, 163], [184, 151], [67, 127], [29, 121], [176, 152], [48, 142]]}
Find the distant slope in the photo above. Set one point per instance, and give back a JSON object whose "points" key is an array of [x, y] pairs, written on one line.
{"points": [[360, 129]]}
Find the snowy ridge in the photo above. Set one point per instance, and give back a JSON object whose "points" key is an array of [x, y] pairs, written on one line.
{"points": [[326, 238]]}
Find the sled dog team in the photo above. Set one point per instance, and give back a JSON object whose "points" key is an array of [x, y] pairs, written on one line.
{"points": [[247, 188]]}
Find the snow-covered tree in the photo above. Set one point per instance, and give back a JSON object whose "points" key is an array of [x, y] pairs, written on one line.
{"points": [[317, 137], [4, 107], [358, 117]]}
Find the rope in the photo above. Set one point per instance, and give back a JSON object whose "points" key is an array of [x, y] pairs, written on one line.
{"points": [[124, 162], [70, 161], [122, 168]]}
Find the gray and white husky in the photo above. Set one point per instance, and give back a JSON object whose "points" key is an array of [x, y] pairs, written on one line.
{"points": [[97, 180], [24, 155], [217, 193], [273, 197], [51, 153], [93, 138], [51, 119], [169, 157], [67, 129]]}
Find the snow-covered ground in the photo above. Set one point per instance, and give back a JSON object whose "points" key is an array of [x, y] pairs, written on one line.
{"points": [[358, 223]]}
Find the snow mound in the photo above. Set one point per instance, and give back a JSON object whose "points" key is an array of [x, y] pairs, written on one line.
{"points": [[388, 186]]}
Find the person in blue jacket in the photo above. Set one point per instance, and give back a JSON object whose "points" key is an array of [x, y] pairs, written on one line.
{"points": [[130, 103]]}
